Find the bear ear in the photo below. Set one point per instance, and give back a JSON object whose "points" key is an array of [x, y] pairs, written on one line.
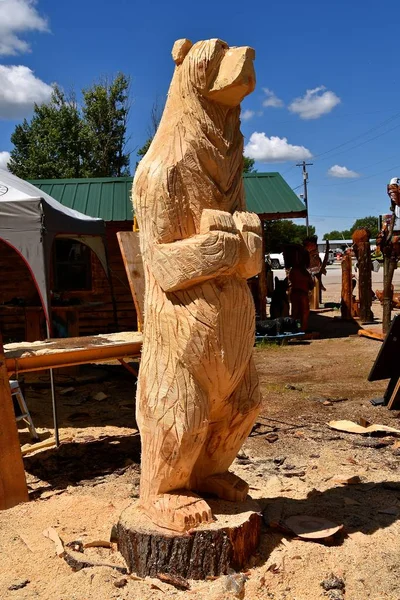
{"points": [[180, 49]]}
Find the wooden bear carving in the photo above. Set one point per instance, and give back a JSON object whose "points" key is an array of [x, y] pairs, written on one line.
{"points": [[198, 393]]}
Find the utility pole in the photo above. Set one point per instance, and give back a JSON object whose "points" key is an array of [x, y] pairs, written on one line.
{"points": [[305, 179]]}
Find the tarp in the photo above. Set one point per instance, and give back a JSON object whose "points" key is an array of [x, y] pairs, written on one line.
{"points": [[30, 219]]}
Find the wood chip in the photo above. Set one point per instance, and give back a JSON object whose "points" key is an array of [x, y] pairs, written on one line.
{"points": [[98, 544], [178, 582], [66, 391], [350, 427], [271, 437], [52, 535], [100, 396], [78, 561], [312, 528], [45, 444]]}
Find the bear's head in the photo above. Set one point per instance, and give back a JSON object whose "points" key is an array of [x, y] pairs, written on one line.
{"points": [[220, 73]]}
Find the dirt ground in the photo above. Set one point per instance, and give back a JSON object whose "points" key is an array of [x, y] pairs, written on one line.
{"points": [[294, 463]]}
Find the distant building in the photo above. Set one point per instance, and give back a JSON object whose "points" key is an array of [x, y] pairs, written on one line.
{"points": [[339, 244]]}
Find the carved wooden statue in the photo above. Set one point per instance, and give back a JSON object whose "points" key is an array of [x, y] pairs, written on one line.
{"points": [[297, 259], [362, 250], [388, 241], [198, 393]]}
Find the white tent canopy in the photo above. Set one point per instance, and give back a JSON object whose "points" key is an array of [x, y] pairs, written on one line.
{"points": [[30, 219]]}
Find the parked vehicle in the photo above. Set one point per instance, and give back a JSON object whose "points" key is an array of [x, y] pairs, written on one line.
{"points": [[331, 257], [276, 261]]}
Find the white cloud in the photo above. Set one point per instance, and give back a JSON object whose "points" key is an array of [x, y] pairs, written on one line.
{"points": [[342, 172], [18, 17], [272, 100], [314, 104], [247, 115], [273, 149], [19, 89], [4, 158]]}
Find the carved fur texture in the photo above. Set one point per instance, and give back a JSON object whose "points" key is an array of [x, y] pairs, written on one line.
{"points": [[198, 393]]}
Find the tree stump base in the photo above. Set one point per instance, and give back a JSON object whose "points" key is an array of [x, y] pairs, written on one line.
{"points": [[210, 549]]}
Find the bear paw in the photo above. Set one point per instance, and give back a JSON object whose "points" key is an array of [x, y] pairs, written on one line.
{"points": [[180, 510]]}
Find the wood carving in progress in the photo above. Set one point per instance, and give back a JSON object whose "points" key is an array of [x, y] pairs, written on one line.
{"points": [[198, 394]]}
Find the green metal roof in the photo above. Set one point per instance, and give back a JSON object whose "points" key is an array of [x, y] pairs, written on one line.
{"points": [[108, 198], [267, 194]]}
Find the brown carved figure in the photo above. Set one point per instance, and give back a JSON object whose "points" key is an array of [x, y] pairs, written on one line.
{"points": [[198, 393], [280, 299], [301, 283], [388, 241]]}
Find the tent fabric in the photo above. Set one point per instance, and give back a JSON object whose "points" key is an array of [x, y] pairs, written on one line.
{"points": [[30, 219]]}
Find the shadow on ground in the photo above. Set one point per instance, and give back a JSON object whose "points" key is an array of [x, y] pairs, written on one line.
{"points": [[88, 462], [365, 508], [331, 326], [82, 406]]}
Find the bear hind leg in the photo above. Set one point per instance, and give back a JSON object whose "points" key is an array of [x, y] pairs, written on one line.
{"points": [[228, 430], [173, 430]]}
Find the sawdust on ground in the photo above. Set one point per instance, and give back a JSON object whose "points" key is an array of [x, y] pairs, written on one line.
{"points": [[81, 489]]}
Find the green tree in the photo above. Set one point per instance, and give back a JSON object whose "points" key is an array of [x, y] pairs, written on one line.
{"points": [[337, 235], [51, 145], [248, 165], [370, 222], [105, 115], [63, 141], [332, 235], [284, 231]]}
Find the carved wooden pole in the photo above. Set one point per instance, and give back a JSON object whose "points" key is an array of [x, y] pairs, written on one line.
{"points": [[347, 288], [13, 488], [262, 278], [362, 250], [315, 294], [389, 266]]}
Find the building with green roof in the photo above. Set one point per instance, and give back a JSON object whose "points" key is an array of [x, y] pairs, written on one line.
{"points": [[267, 194]]}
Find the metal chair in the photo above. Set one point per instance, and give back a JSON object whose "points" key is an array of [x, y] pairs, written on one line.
{"points": [[21, 410]]}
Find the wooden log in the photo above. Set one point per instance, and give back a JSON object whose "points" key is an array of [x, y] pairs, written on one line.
{"points": [[262, 280], [315, 295], [130, 251], [13, 488], [347, 292], [394, 401], [389, 266], [208, 550], [362, 251]]}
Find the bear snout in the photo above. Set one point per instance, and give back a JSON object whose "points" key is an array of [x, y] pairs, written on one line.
{"points": [[236, 76]]}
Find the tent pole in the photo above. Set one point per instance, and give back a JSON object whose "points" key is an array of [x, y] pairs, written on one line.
{"points": [[53, 396], [110, 282], [54, 404]]}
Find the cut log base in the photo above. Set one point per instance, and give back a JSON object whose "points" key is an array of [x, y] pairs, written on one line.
{"points": [[209, 550]]}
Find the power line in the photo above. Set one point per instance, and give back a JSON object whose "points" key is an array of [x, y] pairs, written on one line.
{"points": [[385, 122], [371, 129], [358, 178]]}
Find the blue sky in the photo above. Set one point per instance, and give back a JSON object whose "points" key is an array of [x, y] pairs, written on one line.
{"points": [[331, 71]]}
